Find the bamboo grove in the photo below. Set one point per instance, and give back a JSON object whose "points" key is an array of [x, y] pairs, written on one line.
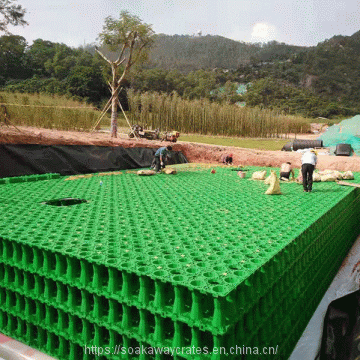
{"points": [[52, 112], [171, 112]]}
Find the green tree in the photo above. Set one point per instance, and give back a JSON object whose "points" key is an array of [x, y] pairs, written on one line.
{"points": [[12, 57], [262, 92], [86, 82], [132, 39], [151, 80], [63, 61], [39, 53], [11, 14]]}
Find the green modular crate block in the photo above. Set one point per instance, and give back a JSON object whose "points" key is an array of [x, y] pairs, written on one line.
{"points": [[192, 259], [29, 178]]}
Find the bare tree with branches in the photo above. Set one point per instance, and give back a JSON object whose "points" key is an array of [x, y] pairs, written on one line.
{"points": [[132, 39]]}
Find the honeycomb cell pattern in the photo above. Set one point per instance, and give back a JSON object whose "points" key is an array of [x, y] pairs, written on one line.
{"points": [[196, 258], [208, 232]]}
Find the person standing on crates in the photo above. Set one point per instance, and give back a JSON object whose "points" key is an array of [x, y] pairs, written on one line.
{"points": [[160, 157], [308, 161]]}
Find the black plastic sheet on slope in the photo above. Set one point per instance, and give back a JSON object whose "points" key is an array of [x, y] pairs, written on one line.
{"points": [[341, 333], [30, 159]]}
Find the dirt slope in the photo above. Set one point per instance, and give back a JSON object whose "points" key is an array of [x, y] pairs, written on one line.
{"points": [[194, 152]]}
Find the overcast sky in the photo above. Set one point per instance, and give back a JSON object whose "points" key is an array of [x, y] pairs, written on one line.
{"points": [[297, 22]]}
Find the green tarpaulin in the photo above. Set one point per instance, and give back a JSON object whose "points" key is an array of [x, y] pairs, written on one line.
{"points": [[346, 132]]}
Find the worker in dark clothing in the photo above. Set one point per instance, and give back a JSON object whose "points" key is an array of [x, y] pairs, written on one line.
{"points": [[227, 159], [160, 157], [308, 161]]}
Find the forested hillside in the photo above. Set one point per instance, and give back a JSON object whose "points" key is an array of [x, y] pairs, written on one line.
{"points": [[50, 68], [188, 53], [322, 81]]}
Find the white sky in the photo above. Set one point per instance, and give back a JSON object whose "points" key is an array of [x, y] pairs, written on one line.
{"points": [[297, 22]]}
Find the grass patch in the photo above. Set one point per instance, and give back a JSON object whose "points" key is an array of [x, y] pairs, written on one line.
{"points": [[260, 144]]}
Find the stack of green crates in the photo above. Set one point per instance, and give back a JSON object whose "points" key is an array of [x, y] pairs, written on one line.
{"points": [[187, 263]]}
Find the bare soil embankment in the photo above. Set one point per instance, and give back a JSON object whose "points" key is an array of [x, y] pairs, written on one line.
{"points": [[195, 152]]}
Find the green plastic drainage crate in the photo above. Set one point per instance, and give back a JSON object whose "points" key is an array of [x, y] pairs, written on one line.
{"points": [[194, 261]]}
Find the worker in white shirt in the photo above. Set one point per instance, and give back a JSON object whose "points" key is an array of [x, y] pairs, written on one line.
{"points": [[285, 171], [308, 161]]}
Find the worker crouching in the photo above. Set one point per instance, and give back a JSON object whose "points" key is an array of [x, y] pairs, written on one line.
{"points": [[285, 171], [227, 159], [160, 157]]}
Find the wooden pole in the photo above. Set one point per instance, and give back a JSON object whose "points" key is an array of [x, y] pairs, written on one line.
{"points": [[106, 108], [7, 118], [126, 117]]}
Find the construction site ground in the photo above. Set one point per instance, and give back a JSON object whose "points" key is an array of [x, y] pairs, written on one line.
{"points": [[308, 345], [195, 152]]}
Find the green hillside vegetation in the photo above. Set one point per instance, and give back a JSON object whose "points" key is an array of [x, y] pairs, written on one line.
{"points": [[189, 53], [51, 68], [321, 81]]}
